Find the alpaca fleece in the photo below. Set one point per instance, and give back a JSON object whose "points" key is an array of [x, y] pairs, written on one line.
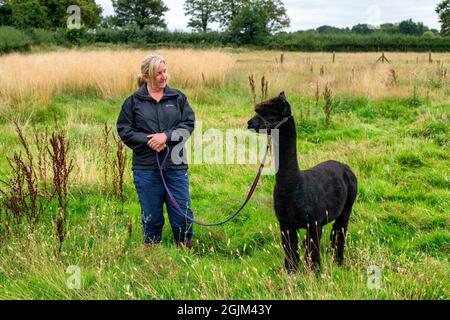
{"points": [[305, 199]]}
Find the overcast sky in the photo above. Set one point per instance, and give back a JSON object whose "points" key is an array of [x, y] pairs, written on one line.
{"points": [[308, 14]]}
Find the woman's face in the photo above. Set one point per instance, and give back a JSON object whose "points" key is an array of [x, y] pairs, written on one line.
{"points": [[160, 81]]}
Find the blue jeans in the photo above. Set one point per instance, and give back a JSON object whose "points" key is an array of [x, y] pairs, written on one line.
{"points": [[152, 196]]}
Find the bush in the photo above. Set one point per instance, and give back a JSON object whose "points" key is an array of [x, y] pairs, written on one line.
{"points": [[313, 41], [429, 34], [12, 39], [293, 41], [110, 36], [71, 37], [42, 36], [146, 37]]}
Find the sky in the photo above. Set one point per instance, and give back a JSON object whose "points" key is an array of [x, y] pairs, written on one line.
{"points": [[309, 14]]}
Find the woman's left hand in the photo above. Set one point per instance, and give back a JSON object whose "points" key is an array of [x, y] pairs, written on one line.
{"points": [[157, 141]]}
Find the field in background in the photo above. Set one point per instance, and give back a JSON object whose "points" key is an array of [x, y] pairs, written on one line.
{"points": [[389, 122], [36, 78]]}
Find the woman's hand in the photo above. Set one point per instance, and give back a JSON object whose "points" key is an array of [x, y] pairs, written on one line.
{"points": [[157, 141]]}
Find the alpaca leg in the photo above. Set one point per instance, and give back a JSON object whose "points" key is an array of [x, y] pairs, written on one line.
{"points": [[312, 257], [338, 235], [339, 231], [290, 246]]}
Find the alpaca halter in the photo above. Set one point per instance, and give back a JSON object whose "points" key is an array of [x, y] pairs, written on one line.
{"points": [[276, 125]]}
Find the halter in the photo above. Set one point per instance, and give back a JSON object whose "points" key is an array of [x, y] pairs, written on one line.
{"points": [[273, 125]]}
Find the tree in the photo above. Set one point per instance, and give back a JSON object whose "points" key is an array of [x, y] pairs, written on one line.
{"points": [[362, 29], [250, 24], [140, 12], [49, 14], [108, 22], [410, 27], [331, 29], [228, 10], [443, 10], [202, 13], [90, 12], [276, 12], [5, 13], [275, 15], [389, 28], [28, 14]]}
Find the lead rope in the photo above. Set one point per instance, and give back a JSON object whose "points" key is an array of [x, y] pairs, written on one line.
{"points": [[249, 195]]}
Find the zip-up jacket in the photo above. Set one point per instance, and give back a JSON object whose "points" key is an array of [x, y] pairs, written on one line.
{"points": [[141, 115]]}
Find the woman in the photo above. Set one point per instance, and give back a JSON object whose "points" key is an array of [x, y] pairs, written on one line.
{"points": [[155, 120]]}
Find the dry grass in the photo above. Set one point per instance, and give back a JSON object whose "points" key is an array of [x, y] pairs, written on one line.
{"points": [[38, 77], [352, 73]]}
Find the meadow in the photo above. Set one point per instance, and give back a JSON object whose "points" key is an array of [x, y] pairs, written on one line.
{"points": [[388, 121]]}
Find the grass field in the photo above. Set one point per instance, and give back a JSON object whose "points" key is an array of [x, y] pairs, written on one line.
{"points": [[389, 122]]}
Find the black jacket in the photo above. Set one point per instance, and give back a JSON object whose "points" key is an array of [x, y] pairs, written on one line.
{"points": [[141, 115]]}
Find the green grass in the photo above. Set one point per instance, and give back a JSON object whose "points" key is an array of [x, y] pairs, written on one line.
{"points": [[400, 221]]}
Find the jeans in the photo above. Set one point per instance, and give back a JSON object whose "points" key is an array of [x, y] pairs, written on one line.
{"points": [[152, 195]]}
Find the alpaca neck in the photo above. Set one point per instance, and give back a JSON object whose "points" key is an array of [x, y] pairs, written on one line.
{"points": [[286, 149]]}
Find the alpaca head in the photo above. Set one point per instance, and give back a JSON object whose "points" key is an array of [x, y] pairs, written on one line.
{"points": [[270, 113]]}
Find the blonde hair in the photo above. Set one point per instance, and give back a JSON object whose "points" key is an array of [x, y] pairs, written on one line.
{"points": [[149, 67]]}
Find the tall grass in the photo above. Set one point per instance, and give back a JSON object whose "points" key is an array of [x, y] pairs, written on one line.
{"points": [[36, 78], [112, 74], [352, 74]]}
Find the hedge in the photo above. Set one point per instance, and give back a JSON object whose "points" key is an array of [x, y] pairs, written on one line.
{"points": [[12, 39]]}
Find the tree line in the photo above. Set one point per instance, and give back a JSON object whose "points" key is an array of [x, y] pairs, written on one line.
{"points": [[238, 22]]}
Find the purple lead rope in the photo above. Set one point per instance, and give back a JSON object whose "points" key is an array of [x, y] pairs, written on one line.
{"points": [[249, 195]]}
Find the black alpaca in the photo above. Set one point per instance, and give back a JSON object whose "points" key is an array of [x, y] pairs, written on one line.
{"points": [[306, 199]]}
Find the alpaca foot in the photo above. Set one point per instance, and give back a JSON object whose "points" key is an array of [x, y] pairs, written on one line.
{"points": [[290, 267], [339, 260], [312, 265]]}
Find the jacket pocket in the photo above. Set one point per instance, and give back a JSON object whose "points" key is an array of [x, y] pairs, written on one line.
{"points": [[170, 113]]}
